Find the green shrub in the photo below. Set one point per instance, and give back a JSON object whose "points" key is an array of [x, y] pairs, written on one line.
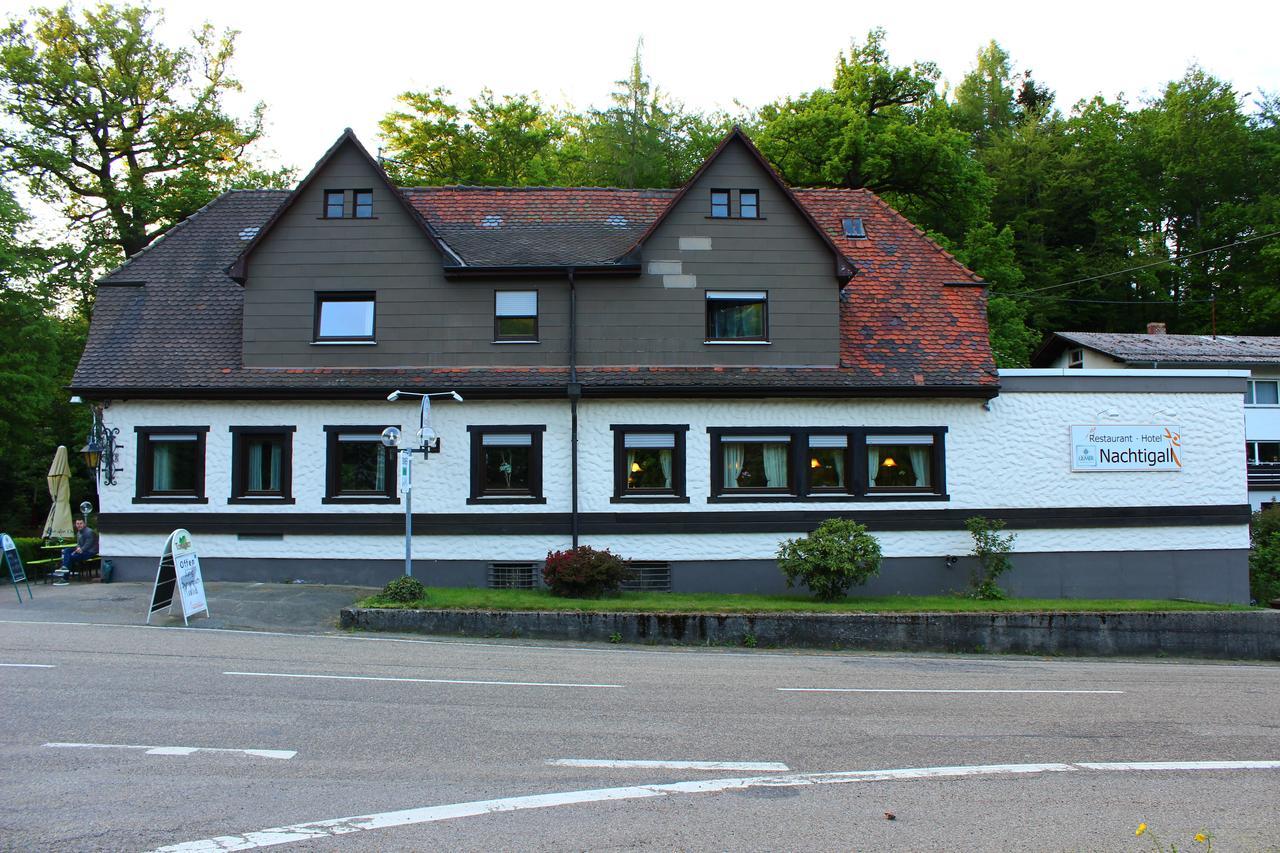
{"points": [[584, 572], [404, 590], [992, 552], [834, 557], [1264, 558]]}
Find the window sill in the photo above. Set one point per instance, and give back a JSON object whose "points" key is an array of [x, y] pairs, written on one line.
{"points": [[166, 499], [343, 343], [515, 342], [262, 500], [869, 498], [741, 218], [371, 499], [346, 218], [648, 499], [499, 501], [738, 343]]}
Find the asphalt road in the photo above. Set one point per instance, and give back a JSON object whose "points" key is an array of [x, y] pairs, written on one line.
{"points": [[452, 722]]}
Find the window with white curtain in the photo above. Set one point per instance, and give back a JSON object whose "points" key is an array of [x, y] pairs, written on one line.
{"points": [[261, 463], [756, 463], [899, 462], [170, 464], [828, 455], [359, 469]]}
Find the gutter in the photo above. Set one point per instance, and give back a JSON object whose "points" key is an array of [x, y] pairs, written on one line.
{"points": [[553, 270]]}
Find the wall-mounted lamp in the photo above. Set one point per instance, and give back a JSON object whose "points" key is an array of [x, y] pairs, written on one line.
{"points": [[99, 452]]}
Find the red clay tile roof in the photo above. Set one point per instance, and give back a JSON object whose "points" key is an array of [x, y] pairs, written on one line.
{"points": [[911, 319]]}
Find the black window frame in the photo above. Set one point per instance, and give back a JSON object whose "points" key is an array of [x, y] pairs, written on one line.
{"points": [[728, 203], [328, 204], [708, 299], [240, 462], [858, 489], [535, 493], [143, 470], [754, 194], [498, 337], [678, 493], [332, 493], [323, 296], [356, 206]]}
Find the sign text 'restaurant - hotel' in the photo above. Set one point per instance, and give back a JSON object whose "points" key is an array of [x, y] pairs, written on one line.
{"points": [[1126, 448]]}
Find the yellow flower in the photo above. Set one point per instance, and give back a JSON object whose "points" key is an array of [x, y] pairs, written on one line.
{"points": [[1201, 838], [1142, 827]]}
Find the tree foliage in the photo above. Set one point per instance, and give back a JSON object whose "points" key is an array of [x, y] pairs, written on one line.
{"points": [[123, 134]]}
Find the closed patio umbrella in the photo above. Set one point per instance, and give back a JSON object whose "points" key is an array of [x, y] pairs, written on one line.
{"points": [[58, 525]]}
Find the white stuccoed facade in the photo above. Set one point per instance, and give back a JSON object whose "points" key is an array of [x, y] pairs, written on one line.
{"points": [[1012, 453]]}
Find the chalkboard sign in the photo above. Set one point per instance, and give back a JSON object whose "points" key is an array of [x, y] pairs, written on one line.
{"points": [[179, 575], [17, 572]]}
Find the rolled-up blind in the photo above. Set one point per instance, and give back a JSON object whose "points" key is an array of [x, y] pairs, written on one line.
{"points": [[495, 439], [828, 441], [517, 303], [649, 439], [899, 439]]}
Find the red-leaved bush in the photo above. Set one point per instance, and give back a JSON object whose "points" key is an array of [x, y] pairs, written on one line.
{"points": [[584, 572]]}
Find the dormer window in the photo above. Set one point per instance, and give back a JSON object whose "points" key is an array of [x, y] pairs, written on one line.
{"points": [[720, 204], [749, 204], [1075, 359], [348, 204]]}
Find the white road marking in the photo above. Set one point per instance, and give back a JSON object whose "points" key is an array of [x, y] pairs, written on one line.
{"points": [[1179, 765], [283, 754], [934, 690], [31, 665], [421, 680], [434, 814], [626, 764]]}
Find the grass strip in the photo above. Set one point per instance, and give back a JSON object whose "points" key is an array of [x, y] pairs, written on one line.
{"points": [[449, 598]]}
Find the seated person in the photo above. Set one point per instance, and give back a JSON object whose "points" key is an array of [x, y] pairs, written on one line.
{"points": [[86, 547]]}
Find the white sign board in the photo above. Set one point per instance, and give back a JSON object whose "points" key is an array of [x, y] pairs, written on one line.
{"points": [[178, 577], [1126, 448]]}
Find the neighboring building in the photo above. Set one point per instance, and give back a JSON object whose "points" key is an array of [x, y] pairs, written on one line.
{"points": [[685, 376], [1156, 349]]}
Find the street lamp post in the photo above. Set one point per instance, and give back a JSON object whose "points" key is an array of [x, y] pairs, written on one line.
{"points": [[424, 441]]}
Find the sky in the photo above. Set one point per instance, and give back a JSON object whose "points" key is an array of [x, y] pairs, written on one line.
{"points": [[321, 66]]}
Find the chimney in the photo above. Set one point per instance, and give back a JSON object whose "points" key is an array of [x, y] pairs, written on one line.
{"points": [[1155, 328]]}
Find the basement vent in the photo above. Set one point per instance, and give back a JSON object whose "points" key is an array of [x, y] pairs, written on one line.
{"points": [[512, 575], [649, 576], [249, 233]]}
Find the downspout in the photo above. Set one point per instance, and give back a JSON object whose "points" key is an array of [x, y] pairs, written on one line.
{"points": [[575, 392]]}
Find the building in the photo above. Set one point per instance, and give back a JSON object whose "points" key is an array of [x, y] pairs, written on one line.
{"points": [[684, 376], [1258, 355]]}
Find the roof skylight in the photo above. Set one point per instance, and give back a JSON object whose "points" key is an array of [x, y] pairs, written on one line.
{"points": [[853, 228]]}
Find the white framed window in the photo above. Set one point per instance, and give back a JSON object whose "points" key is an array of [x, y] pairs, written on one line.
{"points": [[1075, 358], [1262, 392], [1262, 452]]}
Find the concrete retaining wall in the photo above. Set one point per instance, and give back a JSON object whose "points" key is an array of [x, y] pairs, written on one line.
{"points": [[1243, 635]]}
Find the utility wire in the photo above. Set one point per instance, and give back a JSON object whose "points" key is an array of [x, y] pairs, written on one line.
{"points": [[1144, 266], [1122, 301]]}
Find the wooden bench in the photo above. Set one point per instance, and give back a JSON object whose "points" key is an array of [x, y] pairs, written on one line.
{"points": [[48, 568]]}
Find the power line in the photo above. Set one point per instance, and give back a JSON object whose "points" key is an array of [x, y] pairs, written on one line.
{"points": [[1145, 266], [1119, 301]]}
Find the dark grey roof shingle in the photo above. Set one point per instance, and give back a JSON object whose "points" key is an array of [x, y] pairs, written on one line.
{"points": [[1180, 349]]}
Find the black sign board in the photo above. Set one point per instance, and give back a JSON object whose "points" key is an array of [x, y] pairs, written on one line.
{"points": [[166, 583], [17, 572]]}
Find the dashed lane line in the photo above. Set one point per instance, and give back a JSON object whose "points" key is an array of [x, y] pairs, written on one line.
{"points": [[423, 680], [283, 754], [433, 814], [929, 690], [645, 764]]}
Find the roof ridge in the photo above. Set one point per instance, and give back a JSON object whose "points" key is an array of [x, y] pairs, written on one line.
{"points": [[537, 188], [161, 238]]}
